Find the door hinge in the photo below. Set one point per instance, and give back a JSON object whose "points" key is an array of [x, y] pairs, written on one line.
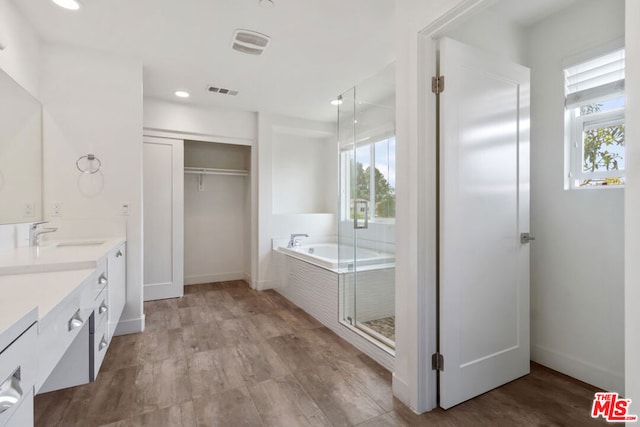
{"points": [[437, 362], [437, 84]]}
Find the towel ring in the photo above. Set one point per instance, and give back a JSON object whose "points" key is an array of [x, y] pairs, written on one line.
{"points": [[90, 158]]}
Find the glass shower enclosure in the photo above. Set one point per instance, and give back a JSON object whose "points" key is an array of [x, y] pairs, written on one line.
{"points": [[366, 229]]}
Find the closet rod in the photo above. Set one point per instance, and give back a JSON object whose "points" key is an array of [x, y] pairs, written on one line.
{"points": [[212, 171]]}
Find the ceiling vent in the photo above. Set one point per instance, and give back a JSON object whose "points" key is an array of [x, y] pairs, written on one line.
{"points": [[222, 91], [250, 42]]}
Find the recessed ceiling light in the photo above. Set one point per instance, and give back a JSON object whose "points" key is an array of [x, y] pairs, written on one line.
{"points": [[336, 102], [182, 94], [266, 3], [68, 4]]}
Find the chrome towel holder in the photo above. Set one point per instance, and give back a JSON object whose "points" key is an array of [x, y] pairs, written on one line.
{"points": [[88, 169]]}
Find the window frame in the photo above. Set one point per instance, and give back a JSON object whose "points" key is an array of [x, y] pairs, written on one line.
{"points": [[576, 124], [579, 125], [345, 164]]}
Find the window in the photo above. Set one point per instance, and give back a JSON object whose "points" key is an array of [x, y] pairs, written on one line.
{"points": [[594, 102], [371, 190]]}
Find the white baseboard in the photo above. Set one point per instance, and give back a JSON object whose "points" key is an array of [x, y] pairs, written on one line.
{"points": [[262, 285], [401, 390], [212, 278], [130, 326], [246, 277], [578, 368]]}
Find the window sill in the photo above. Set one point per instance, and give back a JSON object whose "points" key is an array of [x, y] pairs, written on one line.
{"points": [[596, 187]]}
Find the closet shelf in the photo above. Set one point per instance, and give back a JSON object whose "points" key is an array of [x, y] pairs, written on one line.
{"points": [[213, 171]]}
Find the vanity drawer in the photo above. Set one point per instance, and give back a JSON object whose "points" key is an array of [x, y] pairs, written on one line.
{"points": [[17, 374], [57, 330], [99, 350], [101, 312], [101, 277], [100, 343]]}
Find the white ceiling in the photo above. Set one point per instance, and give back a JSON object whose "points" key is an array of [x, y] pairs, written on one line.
{"points": [[318, 49]]}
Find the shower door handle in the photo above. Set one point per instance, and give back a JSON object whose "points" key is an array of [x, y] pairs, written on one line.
{"points": [[356, 210]]}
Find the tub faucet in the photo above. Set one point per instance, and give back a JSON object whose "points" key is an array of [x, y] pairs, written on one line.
{"points": [[35, 232], [294, 241]]}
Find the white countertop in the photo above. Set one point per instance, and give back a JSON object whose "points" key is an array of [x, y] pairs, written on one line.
{"points": [[52, 256], [33, 281], [26, 298]]}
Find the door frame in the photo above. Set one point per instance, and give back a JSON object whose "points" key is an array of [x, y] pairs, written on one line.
{"points": [[423, 396]]}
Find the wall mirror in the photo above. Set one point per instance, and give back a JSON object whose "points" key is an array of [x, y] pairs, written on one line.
{"points": [[20, 153]]}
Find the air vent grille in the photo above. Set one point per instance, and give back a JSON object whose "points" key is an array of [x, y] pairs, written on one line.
{"points": [[250, 42], [223, 91]]}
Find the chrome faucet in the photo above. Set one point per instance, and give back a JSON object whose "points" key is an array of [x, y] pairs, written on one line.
{"points": [[294, 241], [35, 232]]}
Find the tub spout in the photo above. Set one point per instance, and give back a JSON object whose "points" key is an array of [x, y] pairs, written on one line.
{"points": [[294, 241]]}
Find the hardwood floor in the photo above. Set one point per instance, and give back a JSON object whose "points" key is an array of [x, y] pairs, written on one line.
{"points": [[225, 355]]}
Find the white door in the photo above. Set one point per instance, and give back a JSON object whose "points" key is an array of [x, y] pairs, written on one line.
{"points": [[484, 206], [163, 194]]}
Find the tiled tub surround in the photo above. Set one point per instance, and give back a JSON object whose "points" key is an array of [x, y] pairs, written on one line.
{"points": [[316, 291]]}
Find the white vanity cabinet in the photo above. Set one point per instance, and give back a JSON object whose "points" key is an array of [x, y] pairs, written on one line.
{"points": [[110, 304], [63, 341], [59, 309], [98, 328], [17, 377], [117, 295]]}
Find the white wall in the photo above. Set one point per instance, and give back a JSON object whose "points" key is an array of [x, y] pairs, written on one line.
{"points": [[215, 125], [183, 117], [21, 57], [93, 104], [278, 225], [490, 32], [632, 207], [577, 263], [301, 165]]}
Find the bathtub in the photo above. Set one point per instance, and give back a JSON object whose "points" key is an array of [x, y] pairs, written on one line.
{"points": [[322, 284], [339, 258]]}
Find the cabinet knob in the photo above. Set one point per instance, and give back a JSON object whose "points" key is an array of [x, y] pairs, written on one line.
{"points": [[76, 321], [118, 254], [103, 344], [103, 308], [10, 391], [103, 280]]}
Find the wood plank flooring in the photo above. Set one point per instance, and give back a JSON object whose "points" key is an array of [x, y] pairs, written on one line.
{"points": [[225, 355]]}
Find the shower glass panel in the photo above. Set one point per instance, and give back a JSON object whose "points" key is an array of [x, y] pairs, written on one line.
{"points": [[366, 231]]}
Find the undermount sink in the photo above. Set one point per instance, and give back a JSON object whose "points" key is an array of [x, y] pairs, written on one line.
{"points": [[79, 243]]}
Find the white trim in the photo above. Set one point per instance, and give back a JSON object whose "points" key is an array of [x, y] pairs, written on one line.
{"points": [[578, 368], [262, 285], [172, 134], [130, 326], [421, 395], [212, 278], [462, 10], [400, 389], [157, 291]]}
